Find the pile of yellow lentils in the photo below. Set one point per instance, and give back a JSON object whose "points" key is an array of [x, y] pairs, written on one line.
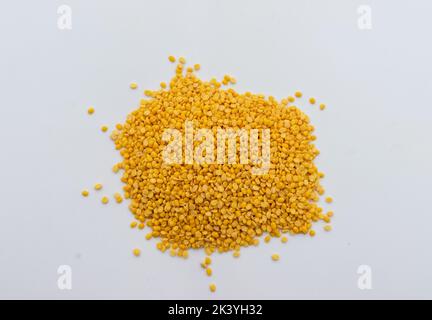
{"points": [[217, 207]]}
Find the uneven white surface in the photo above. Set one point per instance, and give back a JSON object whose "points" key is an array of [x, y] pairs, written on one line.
{"points": [[374, 137]]}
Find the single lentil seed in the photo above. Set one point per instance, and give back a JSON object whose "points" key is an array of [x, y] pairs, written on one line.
{"points": [[275, 257], [133, 85], [136, 252], [212, 287], [85, 193], [207, 260], [98, 186], [118, 198]]}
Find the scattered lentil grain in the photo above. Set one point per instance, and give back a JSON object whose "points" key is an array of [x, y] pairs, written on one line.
{"points": [[212, 287], [327, 227], [209, 271]]}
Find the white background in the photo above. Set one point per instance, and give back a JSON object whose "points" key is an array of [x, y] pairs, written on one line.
{"points": [[374, 137]]}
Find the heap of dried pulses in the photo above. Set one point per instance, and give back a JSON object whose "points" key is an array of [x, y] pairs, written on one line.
{"points": [[214, 205]]}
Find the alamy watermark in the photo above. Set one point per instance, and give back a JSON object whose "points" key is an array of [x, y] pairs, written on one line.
{"points": [[64, 20], [64, 281], [184, 150], [364, 282], [364, 20]]}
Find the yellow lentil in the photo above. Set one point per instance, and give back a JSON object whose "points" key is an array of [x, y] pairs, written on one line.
{"points": [[291, 99], [98, 186], [163, 85], [312, 100], [298, 94], [209, 271], [136, 252], [322, 106], [275, 257], [207, 261], [312, 233], [212, 287], [104, 128], [133, 85], [118, 198], [85, 193], [133, 224], [330, 214], [284, 239], [171, 58], [182, 60], [90, 110], [267, 239], [327, 227], [329, 199], [105, 200], [236, 254]]}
